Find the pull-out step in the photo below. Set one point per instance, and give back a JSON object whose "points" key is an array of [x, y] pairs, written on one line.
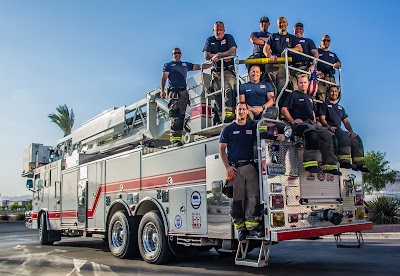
{"points": [[340, 244], [242, 257]]}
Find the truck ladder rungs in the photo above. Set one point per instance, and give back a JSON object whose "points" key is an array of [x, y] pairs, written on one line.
{"points": [[263, 256], [360, 241]]}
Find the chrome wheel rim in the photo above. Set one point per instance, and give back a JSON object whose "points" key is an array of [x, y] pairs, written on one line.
{"points": [[150, 239], [118, 234]]}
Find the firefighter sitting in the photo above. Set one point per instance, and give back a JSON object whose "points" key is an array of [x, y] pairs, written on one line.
{"points": [[298, 109], [350, 146], [236, 149], [257, 94]]}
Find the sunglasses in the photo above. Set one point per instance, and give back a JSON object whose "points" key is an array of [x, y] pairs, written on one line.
{"points": [[326, 40], [177, 53]]}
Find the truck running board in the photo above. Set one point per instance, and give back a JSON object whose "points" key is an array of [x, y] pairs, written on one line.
{"points": [[360, 241], [263, 255]]}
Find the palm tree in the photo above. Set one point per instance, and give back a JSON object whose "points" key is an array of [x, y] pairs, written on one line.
{"points": [[63, 119]]}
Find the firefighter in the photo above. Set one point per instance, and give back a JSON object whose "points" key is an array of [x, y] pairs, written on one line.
{"points": [[178, 98], [236, 149], [257, 94], [274, 47], [350, 145], [258, 39], [216, 47], [299, 61], [298, 109], [326, 71]]}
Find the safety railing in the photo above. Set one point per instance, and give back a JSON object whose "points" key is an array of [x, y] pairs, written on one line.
{"points": [[314, 61], [220, 91]]}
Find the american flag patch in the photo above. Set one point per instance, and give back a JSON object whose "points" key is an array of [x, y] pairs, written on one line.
{"points": [[313, 83], [249, 131]]}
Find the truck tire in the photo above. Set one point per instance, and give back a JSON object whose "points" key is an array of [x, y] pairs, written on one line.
{"points": [[153, 242], [121, 236], [43, 231]]}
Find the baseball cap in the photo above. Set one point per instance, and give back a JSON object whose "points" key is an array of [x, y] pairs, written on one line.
{"points": [[264, 19], [298, 24]]}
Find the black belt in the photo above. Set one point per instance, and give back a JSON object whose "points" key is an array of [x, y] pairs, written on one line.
{"points": [[241, 163], [176, 88], [298, 64]]}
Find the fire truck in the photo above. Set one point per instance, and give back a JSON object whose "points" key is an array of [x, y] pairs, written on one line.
{"points": [[117, 178]]}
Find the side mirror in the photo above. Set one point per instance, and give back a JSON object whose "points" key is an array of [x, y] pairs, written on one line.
{"points": [[29, 184], [38, 184]]}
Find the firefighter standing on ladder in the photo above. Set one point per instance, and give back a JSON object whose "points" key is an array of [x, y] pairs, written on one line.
{"points": [[178, 97], [236, 149], [219, 46]]}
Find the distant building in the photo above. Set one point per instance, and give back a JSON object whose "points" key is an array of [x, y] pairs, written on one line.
{"points": [[4, 203]]}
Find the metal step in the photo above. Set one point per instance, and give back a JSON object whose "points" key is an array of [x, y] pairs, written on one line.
{"points": [[242, 257], [340, 244]]}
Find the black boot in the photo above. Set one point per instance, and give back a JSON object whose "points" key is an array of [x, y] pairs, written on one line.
{"points": [[242, 234]]}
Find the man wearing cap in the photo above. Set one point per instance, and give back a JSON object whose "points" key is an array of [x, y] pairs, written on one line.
{"points": [[220, 46], [325, 71], [350, 146], [299, 61], [178, 97], [258, 39], [273, 49]]}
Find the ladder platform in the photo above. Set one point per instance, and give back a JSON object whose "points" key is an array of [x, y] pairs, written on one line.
{"points": [[211, 131], [242, 257]]}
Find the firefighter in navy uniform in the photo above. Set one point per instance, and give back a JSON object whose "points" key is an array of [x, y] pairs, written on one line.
{"points": [[216, 47], [350, 145], [258, 39], [299, 61], [276, 43], [236, 149], [298, 109], [178, 97], [326, 71], [258, 95]]}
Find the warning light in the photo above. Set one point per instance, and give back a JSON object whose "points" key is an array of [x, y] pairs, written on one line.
{"points": [[276, 187], [276, 201], [278, 219], [360, 214], [292, 218]]}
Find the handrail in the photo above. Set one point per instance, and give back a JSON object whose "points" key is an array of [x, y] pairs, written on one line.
{"points": [[314, 59], [222, 90]]}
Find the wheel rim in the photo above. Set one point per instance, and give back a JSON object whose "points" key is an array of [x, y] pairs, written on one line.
{"points": [[118, 234], [150, 239]]}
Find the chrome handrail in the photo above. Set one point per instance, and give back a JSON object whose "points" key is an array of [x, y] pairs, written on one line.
{"points": [[222, 90]]}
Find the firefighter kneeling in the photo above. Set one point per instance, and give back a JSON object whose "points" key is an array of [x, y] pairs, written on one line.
{"points": [[236, 149]]}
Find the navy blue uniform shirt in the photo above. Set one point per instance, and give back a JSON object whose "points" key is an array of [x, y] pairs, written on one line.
{"points": [[307, 45], [327, 56], [240, 140], [300, 105], [278, 43], [259, 48], [215, 46], [177, 72], [334, 113], [256, 94]]}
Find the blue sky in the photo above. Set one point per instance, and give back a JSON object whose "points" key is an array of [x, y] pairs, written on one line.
{"points": [[93, 55]]}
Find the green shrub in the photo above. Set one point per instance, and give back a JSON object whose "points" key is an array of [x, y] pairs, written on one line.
{"points": [[20, 216], [5, 217], [384, 210]]}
